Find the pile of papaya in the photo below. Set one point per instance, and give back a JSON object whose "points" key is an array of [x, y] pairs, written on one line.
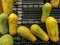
{"points": [[9, 22]]}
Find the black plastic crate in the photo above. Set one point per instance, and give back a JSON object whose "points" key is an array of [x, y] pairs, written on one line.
{"points": [[29, 12]]}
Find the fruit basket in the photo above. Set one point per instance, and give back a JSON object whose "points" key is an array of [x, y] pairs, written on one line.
{"points": [[29, 12]]}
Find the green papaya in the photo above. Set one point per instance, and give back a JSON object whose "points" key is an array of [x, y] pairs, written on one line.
{"points": [[46, 9], [6, 40], [4, 23]]}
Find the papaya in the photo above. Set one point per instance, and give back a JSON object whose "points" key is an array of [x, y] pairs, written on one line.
{"points": [[6, 40], [13, 20], [7, 6], [4, 28], [39, 32], [52, 29], [46, 9], [54, 3], [24, 32]]}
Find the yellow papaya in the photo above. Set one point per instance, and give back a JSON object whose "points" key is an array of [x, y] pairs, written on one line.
{"points": [[38, 31], [13, 20], [7, 6], [52, 29], [26, 33], [54, 3]]}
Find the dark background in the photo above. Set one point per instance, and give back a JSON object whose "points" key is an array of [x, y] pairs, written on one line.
{"points": [[29, 12]]}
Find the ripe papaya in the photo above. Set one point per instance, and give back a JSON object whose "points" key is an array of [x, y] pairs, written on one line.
{"points": [[52, 29], [13, 20], [38, 31], [26, 33]]}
